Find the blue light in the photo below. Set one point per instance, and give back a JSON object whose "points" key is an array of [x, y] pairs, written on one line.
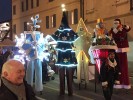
{"points": [[64, 50], [66, 29], [70, 65], [65, 41]]}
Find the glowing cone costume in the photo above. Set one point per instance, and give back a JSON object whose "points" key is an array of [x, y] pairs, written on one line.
{"points": [[82, 45]]}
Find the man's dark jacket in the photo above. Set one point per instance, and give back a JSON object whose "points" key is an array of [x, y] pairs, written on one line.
{"points": [[6, 94]]}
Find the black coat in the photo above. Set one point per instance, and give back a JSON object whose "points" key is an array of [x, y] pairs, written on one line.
{"points": [[6, 94], [108, 73]]}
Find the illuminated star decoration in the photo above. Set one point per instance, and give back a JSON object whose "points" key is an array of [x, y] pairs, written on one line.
{"points": [[65, 60], [34, 25], [64, 38]]}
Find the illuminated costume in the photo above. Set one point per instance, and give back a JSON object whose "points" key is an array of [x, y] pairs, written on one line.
{"points": [[66, 59], [82, 45], [33, 46], [35, 53], [119, 33]]}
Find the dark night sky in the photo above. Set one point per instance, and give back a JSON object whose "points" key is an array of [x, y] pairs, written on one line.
{"points": [[5, 10]]}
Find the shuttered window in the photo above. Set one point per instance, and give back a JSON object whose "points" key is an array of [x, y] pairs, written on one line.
{"points": [[75, 16], [25, 26], [54, 20], [47, 22], [131, 4]]}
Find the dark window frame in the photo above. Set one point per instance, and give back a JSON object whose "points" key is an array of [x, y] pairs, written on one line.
{"points": [[32, 3], [54, 20], [51, 0], [75, 16], [22, 6], [27, 3], [14, 9], [25, 26], [131, 4], [47, 22], [14, 28], [37, 3]]}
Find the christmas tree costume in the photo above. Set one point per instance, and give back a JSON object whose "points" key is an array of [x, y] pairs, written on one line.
{"points": [[66, 59]]}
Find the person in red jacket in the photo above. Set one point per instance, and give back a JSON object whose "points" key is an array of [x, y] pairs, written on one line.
{"points": [[119, 34]]}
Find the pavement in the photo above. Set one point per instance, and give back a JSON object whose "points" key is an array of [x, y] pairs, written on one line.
{"points": [[51, 91]]}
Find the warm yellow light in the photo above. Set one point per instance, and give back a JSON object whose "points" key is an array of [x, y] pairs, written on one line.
{"points": [[16, 37], [63, 9], [63, 5], [28, 23]]}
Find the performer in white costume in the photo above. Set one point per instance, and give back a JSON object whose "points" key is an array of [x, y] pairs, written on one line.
{"points": [[34, 46]]}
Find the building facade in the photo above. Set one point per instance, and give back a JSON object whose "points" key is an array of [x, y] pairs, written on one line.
{"points": [[50, 13]]}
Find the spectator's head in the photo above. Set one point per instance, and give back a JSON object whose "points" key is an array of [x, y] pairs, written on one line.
{"points": [[111, 54], [13, 71], [117, 22]]}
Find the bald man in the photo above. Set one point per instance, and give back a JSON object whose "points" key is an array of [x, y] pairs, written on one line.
{"points": [[12, 84]]}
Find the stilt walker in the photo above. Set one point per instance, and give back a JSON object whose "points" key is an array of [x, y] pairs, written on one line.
{"points": [[82, 45], [66, 60], [33, 47], [119, 33]]}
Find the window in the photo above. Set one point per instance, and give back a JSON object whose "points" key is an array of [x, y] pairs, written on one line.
{"points": [[14, 10], [14, 28], [25, 26], [31, 3], [131, 4], [26, 4], [47, 22], [51, 0], [37, 3], [34, 3], [73, 16], [53, 21], [22, 6]]}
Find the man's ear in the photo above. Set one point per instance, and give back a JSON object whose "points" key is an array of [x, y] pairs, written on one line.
{"points": [[5, 74]]}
